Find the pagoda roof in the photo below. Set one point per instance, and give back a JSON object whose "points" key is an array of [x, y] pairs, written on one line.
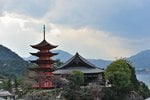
{"points": [[43, 44], [44, 54], [77, 62]]}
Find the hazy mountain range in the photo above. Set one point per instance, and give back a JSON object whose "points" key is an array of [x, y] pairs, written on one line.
{"points": [[140, 60], [64, 56], [11, 63]]}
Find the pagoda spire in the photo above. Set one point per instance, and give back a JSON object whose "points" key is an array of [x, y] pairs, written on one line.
{"points": [[44, 31]]}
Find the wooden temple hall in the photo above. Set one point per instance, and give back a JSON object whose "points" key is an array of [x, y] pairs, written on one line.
{"points": [[44, 69], [92, 73]]}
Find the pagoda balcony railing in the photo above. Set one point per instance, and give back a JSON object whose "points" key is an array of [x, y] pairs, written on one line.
{"points": [[42, 69], [39, 61]]}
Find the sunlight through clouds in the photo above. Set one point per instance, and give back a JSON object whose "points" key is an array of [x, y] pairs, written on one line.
{"points": [[91, 42], [97, 29]]}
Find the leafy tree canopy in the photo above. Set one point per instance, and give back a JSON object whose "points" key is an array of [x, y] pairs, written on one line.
{"points": [[119, 73], [122, 76]]}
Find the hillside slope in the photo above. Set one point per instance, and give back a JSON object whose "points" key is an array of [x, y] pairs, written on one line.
{"points": [[11, 63]]}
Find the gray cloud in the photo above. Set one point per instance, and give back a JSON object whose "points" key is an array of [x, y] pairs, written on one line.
{"points": [[120, 17], [113, 28], [129, 18], [34, 8]]}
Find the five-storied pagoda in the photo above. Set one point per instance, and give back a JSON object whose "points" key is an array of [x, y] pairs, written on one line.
{"points": [[44, 64]]}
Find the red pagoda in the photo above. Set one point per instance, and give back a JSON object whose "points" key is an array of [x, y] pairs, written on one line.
{"points": [[44, 64]]}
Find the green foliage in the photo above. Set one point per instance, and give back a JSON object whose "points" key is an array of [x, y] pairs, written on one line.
{"points": [[58, 63], [73, 91], [85, 94], [8, 85], [143, 90], [11, 63], [122, 76], [78, 77], [81, 94], [109, 93], [119, 74]]}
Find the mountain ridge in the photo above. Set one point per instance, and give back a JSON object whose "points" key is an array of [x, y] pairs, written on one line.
{"points": [[139, 60], [12, 63]]}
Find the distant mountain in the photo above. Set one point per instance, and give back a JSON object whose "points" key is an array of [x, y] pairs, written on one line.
{"points": [[30, 58], [62, 55], [100, 63], [11, 63], [141, 60]]}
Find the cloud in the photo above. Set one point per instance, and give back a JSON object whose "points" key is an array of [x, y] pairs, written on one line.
{"points": [[128, 18], [93, 43], [34, 8], [18, 31], [96, 29]]}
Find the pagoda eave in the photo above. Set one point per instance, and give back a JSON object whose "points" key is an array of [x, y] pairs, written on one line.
{"points": [[43, 45], [43, 61], [42, 69], [37, 78], [40, 54], [40, 48]]}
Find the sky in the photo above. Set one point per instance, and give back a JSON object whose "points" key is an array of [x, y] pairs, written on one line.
{"points": [[100, 29]]}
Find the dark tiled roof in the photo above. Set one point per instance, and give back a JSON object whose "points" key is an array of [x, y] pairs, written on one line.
{"points": [[43, 44], [78, 60], [80, 68], [44, 54]]}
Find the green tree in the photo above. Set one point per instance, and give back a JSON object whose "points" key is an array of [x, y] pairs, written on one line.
{"points": [[78, 77], [9, 85], [16, 84], [73, 90], [119, 74], [143, 90], [57, 64], [122, 76]]}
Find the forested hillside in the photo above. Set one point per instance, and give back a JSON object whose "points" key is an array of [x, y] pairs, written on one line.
{"points": [[11, 63]]}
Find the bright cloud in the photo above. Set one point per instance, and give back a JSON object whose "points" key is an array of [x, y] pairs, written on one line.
{"points": [[87, 41], [94, 28], [17, 31], [91, 42]]}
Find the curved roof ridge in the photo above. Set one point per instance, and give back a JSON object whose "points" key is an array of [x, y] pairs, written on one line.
{"points": [[43, 43], [67, 62], [81, 58], [85, 60]]}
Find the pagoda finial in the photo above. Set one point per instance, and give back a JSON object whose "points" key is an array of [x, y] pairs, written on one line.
{"points": [[44, 31]]}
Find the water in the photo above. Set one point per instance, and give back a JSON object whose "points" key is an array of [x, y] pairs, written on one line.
{"points": [[145, 78]]}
